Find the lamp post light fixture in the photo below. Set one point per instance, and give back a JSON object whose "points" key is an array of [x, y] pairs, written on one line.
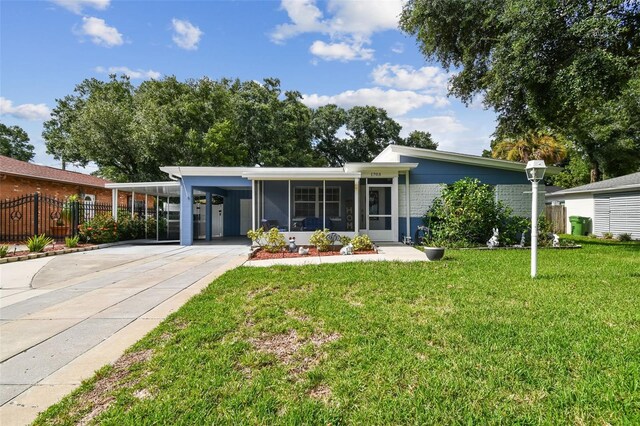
{"points": [[535, 172]]}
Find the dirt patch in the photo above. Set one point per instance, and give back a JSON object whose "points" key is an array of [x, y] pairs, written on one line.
{"points": [[321, 392], [263, 255], [100, 398], [286, 348], [297, 315], [260, 292]]}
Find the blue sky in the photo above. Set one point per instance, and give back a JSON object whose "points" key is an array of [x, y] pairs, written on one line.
{"points": [[347, 52]]}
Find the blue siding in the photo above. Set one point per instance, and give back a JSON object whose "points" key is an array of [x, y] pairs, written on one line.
{"points": [[433, 171], [232, 211], [402, 226], [211, 185]]}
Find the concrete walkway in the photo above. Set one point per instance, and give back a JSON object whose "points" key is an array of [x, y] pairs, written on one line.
{"points": [[63, 317], [386, 251]]}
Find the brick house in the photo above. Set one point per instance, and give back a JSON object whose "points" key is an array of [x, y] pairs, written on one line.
{"points": [[18, 178]]}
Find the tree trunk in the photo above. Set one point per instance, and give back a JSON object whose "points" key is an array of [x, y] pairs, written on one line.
{"points": [[595, 172]]}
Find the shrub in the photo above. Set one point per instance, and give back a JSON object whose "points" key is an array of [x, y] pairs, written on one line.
{"points": [[624, 237], [4, 249], [272, 241], [320, 239], [511, 229], [465, 214], [607, 235], [345, 240], [37, 243], [101, 229], [72, 242], [361, 242], [130, 228]]}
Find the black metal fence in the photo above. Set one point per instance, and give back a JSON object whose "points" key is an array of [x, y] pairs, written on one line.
{"points": [[34, 214]]}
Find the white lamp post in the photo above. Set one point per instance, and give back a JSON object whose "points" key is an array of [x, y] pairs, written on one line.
{"points": [[535, 172]]}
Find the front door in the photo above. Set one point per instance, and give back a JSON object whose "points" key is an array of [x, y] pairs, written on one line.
{"points": [[379, 218], [217, 218]]}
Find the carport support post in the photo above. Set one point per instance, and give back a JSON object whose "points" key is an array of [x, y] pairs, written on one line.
{"points": [[207, 216], [114, 204], [157, 218], [133, 202], [356, 204], [146, 211]]}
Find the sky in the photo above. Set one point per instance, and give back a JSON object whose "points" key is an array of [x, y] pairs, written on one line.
{"points": [[347, 52]]}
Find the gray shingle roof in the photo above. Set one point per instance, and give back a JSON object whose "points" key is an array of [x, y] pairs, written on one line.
{"points": [[632, 180]]}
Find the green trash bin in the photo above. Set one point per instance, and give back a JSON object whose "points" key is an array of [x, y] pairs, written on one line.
{"points": [[576, 225], [586, 225]]}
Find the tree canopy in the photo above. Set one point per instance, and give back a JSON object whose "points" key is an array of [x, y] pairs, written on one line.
{"points": [[14, 143], [571, 66], [131, 131]]}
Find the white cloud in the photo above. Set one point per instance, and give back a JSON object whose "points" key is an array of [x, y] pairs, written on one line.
{"points": [[395, 102], [24, 111], [133, 74], [76, 6], [100, 33], [397, 48], [349, 24], [305, 17], [450, 133], [340, 51], [186, 35], [430, 79]]}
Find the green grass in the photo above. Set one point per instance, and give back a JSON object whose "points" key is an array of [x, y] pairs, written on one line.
{"points": [[472, 339]]}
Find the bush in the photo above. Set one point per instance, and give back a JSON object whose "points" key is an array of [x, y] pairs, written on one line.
{"points": [[624, 237], [4, 249], [320, 239], [130, 228], [271, 241], [345, 240], [37, 243], [361, 242], [607, 235], [466, 213], [72, 242], [101, 229]]}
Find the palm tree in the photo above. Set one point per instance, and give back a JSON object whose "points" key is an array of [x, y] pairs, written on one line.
{"points": [[534, 145]]}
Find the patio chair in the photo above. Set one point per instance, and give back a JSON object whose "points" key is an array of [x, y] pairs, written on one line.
{"points": [[311, 224]]}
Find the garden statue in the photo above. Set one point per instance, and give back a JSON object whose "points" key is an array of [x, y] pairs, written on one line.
{"points": [[494, 242], [522, 239], [292, 245], [556, 240], [303, 251], [347, 250]]}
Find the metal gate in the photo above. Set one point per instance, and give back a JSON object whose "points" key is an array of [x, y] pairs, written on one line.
{"points": [[34, 214]]}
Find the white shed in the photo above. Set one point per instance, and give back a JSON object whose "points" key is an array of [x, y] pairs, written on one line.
{"points": [[613, 205]]}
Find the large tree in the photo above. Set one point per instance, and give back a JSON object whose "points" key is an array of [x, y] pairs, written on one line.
{"points": [[14, 143], [420, 139], [565, 65]]}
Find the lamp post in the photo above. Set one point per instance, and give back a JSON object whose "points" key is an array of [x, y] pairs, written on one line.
{"points": [[535, 172]]}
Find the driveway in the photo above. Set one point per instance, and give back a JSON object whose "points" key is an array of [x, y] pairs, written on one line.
{"points": [[63, 317]]}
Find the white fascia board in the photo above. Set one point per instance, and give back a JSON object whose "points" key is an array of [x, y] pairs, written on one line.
{"points": [[454, 157], [179, 171], [299, 173], [387, 156], [358, 167], [141, 184], [565, 192]]}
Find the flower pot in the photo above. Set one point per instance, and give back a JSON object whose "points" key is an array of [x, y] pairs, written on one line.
{"points": [[434, 253]]}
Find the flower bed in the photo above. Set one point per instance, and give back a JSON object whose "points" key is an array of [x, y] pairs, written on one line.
{"points": [[261, 254]]}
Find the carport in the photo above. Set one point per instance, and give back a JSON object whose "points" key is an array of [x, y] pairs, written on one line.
{"points": [[158, 200]]}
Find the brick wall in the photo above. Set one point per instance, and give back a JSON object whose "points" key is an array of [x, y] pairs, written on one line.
{"points": [[17, 186], [421, 196], [518, 197]]}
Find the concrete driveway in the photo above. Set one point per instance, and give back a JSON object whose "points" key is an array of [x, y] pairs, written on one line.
{"points": [[63, 317]]}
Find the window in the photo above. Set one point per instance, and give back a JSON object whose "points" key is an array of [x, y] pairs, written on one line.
{"points": [[307, 201]]}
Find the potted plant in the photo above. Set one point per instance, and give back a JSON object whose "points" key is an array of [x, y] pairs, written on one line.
{"points": [[434, 249], [63, 222]]}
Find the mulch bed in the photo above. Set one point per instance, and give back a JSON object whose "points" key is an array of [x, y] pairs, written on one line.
{"points": [[261, 254], [57, 247]]}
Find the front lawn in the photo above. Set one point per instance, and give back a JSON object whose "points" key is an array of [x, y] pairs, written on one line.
{"points": [[469, 340]]}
